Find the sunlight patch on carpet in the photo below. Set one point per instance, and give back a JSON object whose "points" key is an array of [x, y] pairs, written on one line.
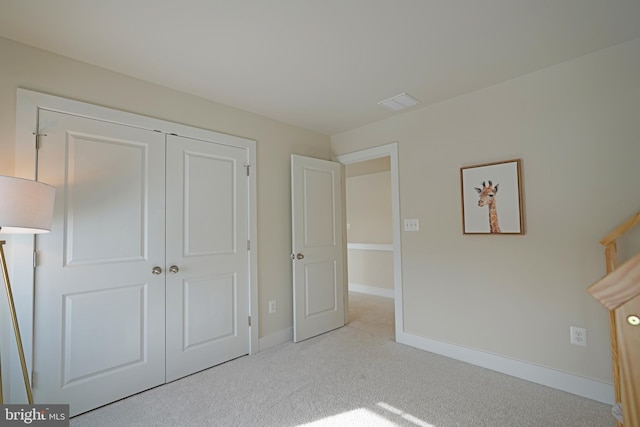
{"points": [[399, 412], [357, 417], [369, 418]]}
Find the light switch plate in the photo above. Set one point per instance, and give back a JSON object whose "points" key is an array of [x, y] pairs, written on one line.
{"points": [[411, 224]]}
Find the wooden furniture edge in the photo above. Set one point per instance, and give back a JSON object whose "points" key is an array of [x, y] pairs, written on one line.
{"points": [[619, 286], [621, 229]]}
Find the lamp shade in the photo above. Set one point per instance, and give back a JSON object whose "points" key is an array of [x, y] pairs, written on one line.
{"points": [[26, 206]]}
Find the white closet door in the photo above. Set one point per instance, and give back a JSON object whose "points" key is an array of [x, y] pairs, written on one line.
{"points": [[99, 311], [207, 233]]}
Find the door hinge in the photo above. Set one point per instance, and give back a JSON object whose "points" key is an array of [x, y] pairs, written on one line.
{"points": [[35, 259], [248, 245], [249, 320], [38, 135], [248, 169]]}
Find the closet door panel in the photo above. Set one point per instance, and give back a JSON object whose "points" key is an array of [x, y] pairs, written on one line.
{"points": [[100, 199], [207, 233], [99, 310]]}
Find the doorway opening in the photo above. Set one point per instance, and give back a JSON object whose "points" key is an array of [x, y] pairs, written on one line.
{"points": [[370, 245], [373, 238]]}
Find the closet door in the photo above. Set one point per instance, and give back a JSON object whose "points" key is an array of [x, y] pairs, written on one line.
{"points": [[207, 233], [99, 324]]}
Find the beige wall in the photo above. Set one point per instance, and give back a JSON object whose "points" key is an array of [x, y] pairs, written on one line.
{"points": [[575, 126], [370, 268], [34, 69], [369, 208]]}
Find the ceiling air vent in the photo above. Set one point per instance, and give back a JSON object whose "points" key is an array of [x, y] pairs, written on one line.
{"points": [[399, 102]]}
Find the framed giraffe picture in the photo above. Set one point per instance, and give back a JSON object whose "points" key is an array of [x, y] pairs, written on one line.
{"points": [[492, 198]]}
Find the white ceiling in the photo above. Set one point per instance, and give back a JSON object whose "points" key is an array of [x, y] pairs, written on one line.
{"points": [[321, 64]]}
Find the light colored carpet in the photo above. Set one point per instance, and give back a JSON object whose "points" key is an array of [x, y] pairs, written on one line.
{"points": [[353, 376]]}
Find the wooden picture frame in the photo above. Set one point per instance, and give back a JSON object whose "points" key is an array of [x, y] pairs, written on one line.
{"points": [[492, 198]]}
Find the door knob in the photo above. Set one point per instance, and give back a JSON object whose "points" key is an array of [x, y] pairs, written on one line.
{"points": [[156, 270], [300, 256], [174, 269]]}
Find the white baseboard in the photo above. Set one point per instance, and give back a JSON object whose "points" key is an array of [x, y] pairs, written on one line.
{"points": [[372, 290], [275, 339], [581, 386], [574, 384]]}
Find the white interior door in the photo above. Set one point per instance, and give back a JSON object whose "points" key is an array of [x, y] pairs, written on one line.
{"points": [[99, 311], [207, 234], [317, 247]]}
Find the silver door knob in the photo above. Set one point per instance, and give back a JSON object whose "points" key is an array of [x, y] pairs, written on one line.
{"points": [[300, 256], [156, 270], [174, 269]]}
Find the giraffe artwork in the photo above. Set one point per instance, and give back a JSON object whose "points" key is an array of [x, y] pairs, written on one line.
{"points": [[488, 198], [478, 199]]}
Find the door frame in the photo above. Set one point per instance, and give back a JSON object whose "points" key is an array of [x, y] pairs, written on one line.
{"points": [[388, 150], [22, 247]]}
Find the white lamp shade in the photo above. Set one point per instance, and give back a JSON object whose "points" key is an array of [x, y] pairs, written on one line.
{"points": [[26, 206]]}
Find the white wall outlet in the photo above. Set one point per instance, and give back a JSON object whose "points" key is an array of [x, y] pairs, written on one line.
{"points": [[272, 306], [411, 224], [578, 336]]}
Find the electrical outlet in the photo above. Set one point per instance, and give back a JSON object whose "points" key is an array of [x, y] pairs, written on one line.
{"points": [[272, 306], [578, 336]]}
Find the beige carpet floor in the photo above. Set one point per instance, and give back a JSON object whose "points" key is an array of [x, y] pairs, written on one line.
{"points": [[353, 376]]}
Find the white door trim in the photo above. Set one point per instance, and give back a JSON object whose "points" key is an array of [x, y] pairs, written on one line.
{"points": [[22, 247], [390, 150]]}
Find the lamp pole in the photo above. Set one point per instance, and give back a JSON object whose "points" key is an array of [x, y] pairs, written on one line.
{"points": [[16, 329]]}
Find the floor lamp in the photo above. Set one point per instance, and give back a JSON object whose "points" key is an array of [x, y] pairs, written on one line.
{"points": [[26, 207]]}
